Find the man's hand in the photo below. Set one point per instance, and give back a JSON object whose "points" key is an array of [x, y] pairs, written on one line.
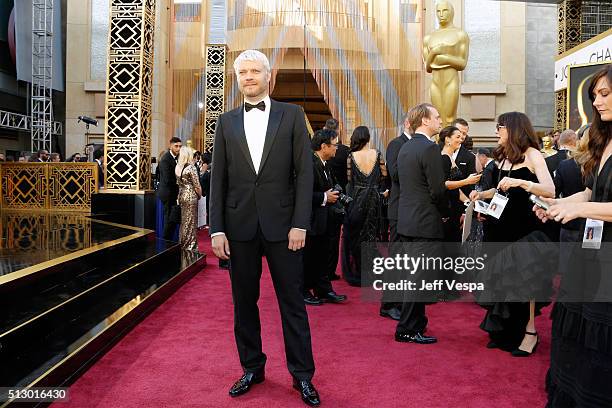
{"points": [[220, 246], [474, 195], [332, 196], [297, 239]]}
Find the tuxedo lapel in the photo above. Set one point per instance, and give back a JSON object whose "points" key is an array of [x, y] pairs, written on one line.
{"points": [[238, 125], [274, 120]]}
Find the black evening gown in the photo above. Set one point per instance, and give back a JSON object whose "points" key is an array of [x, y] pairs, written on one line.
{"points": [[505, 321], [454, 207], [580, 372], [363, 220]]}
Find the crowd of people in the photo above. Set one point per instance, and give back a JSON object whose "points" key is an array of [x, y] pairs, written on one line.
{"points": [[322, 200]]}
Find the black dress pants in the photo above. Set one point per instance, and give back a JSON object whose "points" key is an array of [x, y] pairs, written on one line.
{"points": [[334, 249], [387, 303], [169, 226], [316, 276], [413, 319], [286, 269]]}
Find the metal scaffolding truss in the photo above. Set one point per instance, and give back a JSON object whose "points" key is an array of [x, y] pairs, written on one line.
{"points": [[42, 70], [17, 121]]}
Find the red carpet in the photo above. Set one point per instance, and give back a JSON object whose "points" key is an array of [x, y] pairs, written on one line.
{"points": [[183, 355]]}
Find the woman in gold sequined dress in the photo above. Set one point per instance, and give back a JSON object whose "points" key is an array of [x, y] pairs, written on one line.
{"points": [[190, 192]]}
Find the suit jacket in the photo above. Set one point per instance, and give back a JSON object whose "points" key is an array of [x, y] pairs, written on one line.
{"points": [[393, 149], [100, 174], [568, 181], [466, 161], [167, 190], [323, 181], [422, 189], [276, 198], [486, 180], [338, 165], [552, 162]]}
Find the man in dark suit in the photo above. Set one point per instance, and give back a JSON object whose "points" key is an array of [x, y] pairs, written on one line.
{"points": [[422, 189], [387, 308], [260, 204], [98, 154], [337, 166], [567, 143], [167, 190], [465, 159], [323, 221], [487, 163]]}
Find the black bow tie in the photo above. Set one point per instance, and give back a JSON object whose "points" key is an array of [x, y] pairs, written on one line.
{"points": [[261, 106]]}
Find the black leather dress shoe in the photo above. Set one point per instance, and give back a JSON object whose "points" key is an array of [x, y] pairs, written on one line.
{"points": [[418, 338], [244, 384], [311, 300], [332, 297], [393, 313], [309, 394]]}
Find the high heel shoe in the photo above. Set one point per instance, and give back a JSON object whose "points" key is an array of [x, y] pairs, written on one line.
{"points": [[522, 353]]}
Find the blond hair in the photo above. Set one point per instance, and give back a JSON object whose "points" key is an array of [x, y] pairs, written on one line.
{"points": [[185, 157]]}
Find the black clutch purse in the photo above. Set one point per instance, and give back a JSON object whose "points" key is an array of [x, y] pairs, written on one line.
{"points": [[175, 214]]}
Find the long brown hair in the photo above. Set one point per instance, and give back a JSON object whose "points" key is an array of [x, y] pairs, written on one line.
{"points": [[588, 155], [521, 137]]}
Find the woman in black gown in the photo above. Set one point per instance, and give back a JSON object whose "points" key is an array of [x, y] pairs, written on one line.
{"points": [[449, 141], [367, 185], [580, 372], [520, 171]]}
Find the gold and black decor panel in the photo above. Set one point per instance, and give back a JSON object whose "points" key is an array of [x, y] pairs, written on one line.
{"points": [[215, 91], [24, 186], [48, 186], [129, 95]]}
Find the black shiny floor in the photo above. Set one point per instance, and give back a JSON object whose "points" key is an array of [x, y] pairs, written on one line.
{"points": [[58, 318], [32, 238]]}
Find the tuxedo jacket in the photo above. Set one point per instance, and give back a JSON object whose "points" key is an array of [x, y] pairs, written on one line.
{"points": [[552, 162], [167, 190], [276, 198], [323, 181], [422, 189], [337, 165], [466, 161], [393, 149]]}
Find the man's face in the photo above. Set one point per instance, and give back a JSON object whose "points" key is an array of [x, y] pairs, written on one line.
{"points": [[434, 122], [175, 148], [44, 155], [482, 159], [328, 151], [2, 156], [253, 79], [464, 131]]}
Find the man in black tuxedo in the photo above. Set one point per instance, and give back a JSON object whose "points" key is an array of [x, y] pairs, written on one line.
{"points": [[487, 164], [567, 143], [325, 213], [167, 190], [465, 159], [260, 204], [337, 166], [422, 189], [387, 308], [98, 155]]}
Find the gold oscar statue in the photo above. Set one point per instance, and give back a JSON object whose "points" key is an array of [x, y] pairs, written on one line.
{"points": [[445, 52], [548, 149]]}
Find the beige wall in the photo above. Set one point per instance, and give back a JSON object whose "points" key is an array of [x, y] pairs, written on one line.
{"points": [[81, 91], [509, 93]]}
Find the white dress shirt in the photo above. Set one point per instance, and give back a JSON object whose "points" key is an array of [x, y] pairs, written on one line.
{"points": [[255, 127]]}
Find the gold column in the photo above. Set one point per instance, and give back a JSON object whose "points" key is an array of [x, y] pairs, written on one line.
{"points": [[129, 94], [569, 17], [214, 104]]}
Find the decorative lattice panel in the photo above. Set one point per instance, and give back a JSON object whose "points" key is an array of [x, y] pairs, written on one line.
{"points": [[71, 186], [24, 186], [561, 110], [569, 17], [129, 95], [48, 186], [214, 104]]}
